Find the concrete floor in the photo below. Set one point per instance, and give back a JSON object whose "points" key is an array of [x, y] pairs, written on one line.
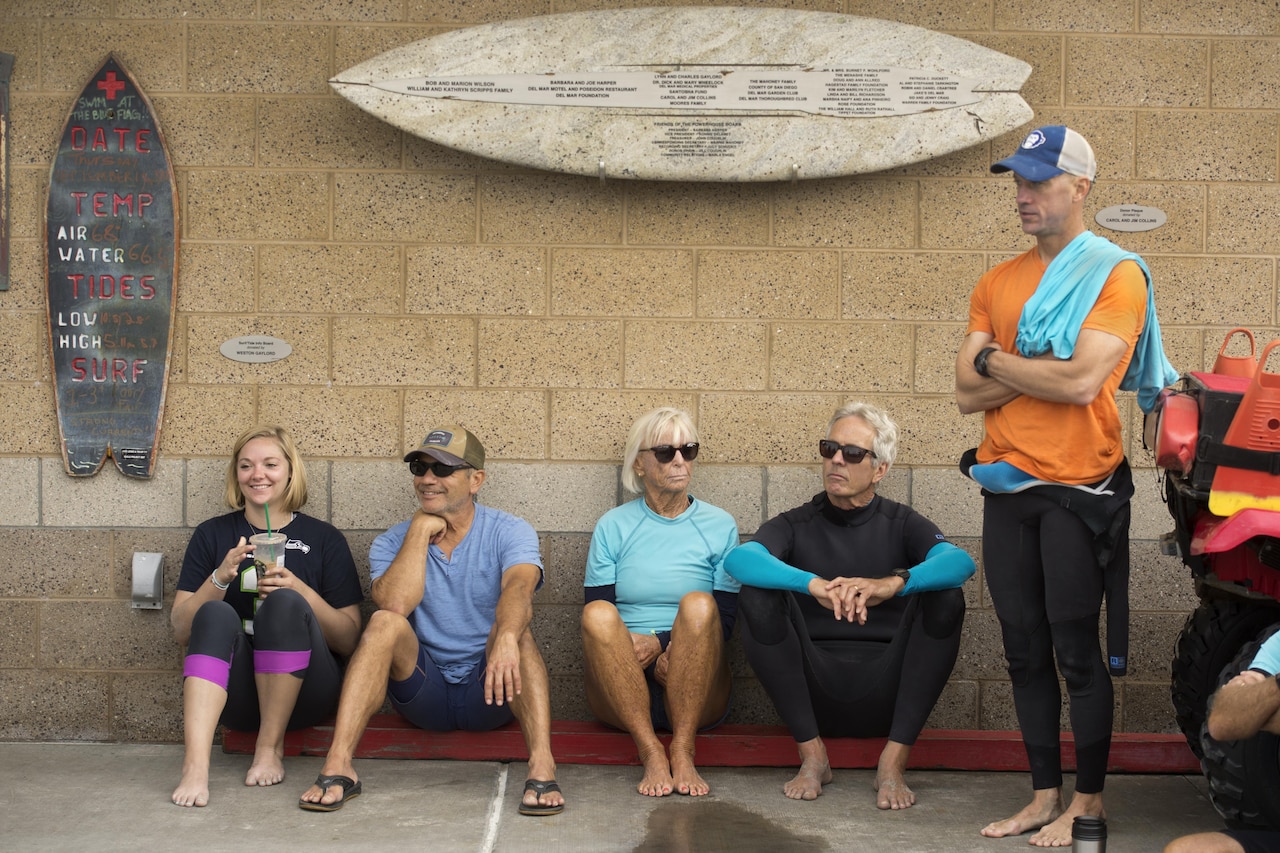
{"points": [[107, 797]]}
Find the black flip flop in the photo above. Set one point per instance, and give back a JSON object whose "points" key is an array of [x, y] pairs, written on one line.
{"points": [[539, 787], [350, 790]]}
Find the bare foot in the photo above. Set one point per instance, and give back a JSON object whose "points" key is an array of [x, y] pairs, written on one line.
{"points": [[807, 784], [685, 776], [815, 771], [267, 769], [193, 788], [334, 793], [891, 782], [1058, 833], [893, 793], [1043, 809], [657, 781]]}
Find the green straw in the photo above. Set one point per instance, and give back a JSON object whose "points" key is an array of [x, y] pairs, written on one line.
{"points": [[267, 509]]}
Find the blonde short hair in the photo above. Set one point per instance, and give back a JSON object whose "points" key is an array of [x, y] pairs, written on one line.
{"points": [[647, 429], [295, 493]]}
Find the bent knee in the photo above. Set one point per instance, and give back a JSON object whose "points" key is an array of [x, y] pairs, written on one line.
{"points": [[762, 604], [942, 612], [599, 615], [698, 608], [384, 623], [698, 601], [286, 602]]}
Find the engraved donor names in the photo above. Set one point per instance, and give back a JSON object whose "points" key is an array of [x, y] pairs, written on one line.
{"points": [[843, 92]]}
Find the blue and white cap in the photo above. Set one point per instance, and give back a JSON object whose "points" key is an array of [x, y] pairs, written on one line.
{"points": [[1048, 152]]}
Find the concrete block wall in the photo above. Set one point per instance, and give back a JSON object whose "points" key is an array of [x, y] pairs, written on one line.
{"points": [[419, 285]]}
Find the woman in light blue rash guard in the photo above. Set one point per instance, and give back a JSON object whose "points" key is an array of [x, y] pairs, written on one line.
{"points": [[659, 606], [262, 640]]}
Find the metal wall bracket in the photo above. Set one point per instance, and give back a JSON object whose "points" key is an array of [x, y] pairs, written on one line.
{"points": [[148, 580]]}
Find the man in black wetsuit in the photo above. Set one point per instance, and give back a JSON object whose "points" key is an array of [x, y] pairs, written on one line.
{"points": [[840, 597]]}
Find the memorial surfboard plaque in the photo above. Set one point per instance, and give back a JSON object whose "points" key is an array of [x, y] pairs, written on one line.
{"points": [[696, 94], [111, 229]]}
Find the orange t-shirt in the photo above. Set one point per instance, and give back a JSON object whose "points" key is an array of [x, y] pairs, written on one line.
{"points": [[1058, 442]]}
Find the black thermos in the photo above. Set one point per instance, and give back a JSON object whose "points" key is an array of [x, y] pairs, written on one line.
{"points": [[1088, 835]]}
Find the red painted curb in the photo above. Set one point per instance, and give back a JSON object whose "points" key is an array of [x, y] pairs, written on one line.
{"points": [[573, 742]]}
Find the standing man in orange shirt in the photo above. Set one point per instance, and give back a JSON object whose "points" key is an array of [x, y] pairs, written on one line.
{"points": [[1053, 334]]}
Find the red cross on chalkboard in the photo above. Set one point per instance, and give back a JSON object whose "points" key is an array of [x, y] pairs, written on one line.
{"points": [[111, 85]]}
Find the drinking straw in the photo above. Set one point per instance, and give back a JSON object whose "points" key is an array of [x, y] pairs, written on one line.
{"points": [[267, 509]]}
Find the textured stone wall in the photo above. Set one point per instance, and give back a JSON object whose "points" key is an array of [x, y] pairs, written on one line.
{"points": [[418, 285]]}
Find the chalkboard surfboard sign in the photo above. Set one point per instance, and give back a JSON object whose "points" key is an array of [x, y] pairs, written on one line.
{"points": [[111, 237], [696, 94]]}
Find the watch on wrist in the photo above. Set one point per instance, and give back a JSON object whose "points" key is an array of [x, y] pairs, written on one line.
{"points": [[905, 574], [980, 361]]}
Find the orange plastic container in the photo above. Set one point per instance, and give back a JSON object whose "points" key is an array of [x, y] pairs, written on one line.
{"points": [[1177, 430], [1237, 365], [1256, 426]]}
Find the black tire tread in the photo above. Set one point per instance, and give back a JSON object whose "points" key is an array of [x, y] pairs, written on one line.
{"points": [[1244, 775], [1212, 636]]}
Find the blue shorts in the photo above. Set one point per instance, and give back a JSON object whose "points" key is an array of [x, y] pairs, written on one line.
{"points": [[658, 704], [428, 701]]}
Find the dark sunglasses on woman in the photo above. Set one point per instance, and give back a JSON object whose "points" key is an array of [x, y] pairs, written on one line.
{"points": [[664, 453]]}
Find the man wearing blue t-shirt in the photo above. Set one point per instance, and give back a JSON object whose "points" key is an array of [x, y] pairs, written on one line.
{"points": [[450, 642]]}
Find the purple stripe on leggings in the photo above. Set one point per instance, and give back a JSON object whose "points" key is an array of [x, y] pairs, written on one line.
{"points": [[214, 670], [269, 662]]}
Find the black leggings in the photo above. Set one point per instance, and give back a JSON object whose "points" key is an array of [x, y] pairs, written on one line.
{"points": [[286, 638], [1046, 586], [838, 679]]}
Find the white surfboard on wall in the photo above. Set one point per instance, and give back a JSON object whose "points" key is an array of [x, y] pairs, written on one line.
{"points": [[696, 94]]}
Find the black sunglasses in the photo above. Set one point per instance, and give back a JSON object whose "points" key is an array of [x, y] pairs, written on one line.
{"points": [[852, 453], [664, 453], [418, 467]]}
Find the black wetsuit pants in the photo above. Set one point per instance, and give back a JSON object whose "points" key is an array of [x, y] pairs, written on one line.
{"points": [[838, 679], [283, 626], [1047, 587]]}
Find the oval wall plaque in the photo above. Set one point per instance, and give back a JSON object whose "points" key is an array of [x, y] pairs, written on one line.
{"points": [[255, 349], [1130, 217]]}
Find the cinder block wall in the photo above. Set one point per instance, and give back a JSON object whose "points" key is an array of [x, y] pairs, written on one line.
{"points": [[419, 285]]}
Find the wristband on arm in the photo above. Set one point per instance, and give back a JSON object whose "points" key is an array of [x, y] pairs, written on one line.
{"points": [[980, 361]]}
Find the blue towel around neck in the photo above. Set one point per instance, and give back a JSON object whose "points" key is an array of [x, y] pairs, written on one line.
{"points": [[1053, 316]]}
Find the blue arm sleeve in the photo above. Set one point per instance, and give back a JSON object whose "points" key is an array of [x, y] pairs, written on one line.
{"points": [[945, 567], [753, 565], [1267, 660]]}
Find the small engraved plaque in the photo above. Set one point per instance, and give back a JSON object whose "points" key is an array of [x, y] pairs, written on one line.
{"points": [[1130, 217], [255, 349]]}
